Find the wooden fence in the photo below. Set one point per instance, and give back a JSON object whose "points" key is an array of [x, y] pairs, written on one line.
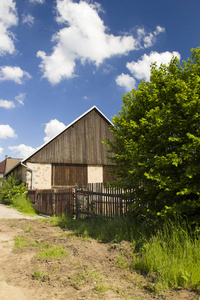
{"points": [[53, 201], [100, 199], [83, 201]]}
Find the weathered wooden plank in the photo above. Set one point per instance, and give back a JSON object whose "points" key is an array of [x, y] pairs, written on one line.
{"points": [[79, 144]]}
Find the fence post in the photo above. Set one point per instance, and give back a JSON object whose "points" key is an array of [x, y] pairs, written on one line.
{"points": [[77, 204], [54, 202]]}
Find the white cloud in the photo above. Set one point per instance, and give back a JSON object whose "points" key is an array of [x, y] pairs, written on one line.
{"points": [[7, 104], [141, 69], [150, 39], [1, 150], [22, 150], [37, 1], [28, 19], [126, 81], [20, 98], [8, 18], [53, 128], [145, 39], [15, 74], [84, 38], [6, 132]]}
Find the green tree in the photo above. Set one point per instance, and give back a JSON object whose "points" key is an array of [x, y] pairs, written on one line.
{"points": [[156, 142]]}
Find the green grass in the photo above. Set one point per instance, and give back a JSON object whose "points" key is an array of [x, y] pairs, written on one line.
{"points": [[122, 262], [172, 256], [55, 251], [22, 241], [37, 275], [101, 288], [98, 228], [24, 205]]}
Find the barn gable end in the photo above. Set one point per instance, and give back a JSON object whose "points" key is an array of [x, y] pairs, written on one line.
{"points": [[81, 143]]}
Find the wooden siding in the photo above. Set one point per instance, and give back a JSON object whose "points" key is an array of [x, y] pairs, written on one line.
{"points": [[81, 143], [68, 175]]}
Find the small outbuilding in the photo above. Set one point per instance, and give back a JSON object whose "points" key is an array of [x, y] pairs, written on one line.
{"points": [[74, 156]]}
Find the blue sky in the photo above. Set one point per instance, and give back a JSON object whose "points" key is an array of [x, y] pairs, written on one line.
{"points": [[59, 58]]}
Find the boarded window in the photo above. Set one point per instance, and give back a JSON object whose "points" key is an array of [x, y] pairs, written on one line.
{"points": [[66, 174]]}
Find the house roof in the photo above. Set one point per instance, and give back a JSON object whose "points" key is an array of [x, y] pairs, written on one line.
{"points": [[68, 126], [2, 166], [11, 163]]}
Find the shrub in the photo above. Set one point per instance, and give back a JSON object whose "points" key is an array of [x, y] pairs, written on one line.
{"points": [[13, 192], [11, 189]]}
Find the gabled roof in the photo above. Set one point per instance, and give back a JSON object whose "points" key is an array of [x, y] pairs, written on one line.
{"points": [[68, 126]]}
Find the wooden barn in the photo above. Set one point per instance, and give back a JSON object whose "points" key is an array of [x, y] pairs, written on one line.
{"points": [[74, 156]]}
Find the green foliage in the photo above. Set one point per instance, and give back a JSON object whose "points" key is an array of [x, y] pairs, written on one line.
{"points": [[156, 142], [171, 257], [13, 192], [11, 189]]}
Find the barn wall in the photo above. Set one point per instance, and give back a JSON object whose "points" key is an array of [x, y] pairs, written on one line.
{"points": [[79, 144], [41, 176]]}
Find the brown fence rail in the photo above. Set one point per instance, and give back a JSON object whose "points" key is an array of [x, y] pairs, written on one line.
{"points": [[84, 201], [54, 201], [101, 199]]}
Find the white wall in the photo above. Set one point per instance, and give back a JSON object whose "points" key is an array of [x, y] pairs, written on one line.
{"points": [[41, 176], [95, 174]]}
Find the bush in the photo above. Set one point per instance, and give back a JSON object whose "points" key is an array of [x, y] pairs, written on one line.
{"points": [[11, 189], [13, 192]]}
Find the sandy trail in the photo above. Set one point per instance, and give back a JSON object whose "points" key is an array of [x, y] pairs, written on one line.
{"points": [[8, 291]]}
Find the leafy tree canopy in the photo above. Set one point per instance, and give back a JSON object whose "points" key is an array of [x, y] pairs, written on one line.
{"points": [[156, 142]]}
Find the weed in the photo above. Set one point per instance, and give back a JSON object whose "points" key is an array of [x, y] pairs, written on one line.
{"points": [[20, 242], [80, 279], [96, 276], [122, 262], [37, 275], [27, 228], [101, 288], [55, 251]]}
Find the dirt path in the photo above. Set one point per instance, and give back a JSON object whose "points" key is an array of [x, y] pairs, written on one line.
{"points": [[91, 270], [7, 234]]}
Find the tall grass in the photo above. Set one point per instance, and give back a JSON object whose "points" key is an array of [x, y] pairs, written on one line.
{"points": [[24, 205], [172, 256]]}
